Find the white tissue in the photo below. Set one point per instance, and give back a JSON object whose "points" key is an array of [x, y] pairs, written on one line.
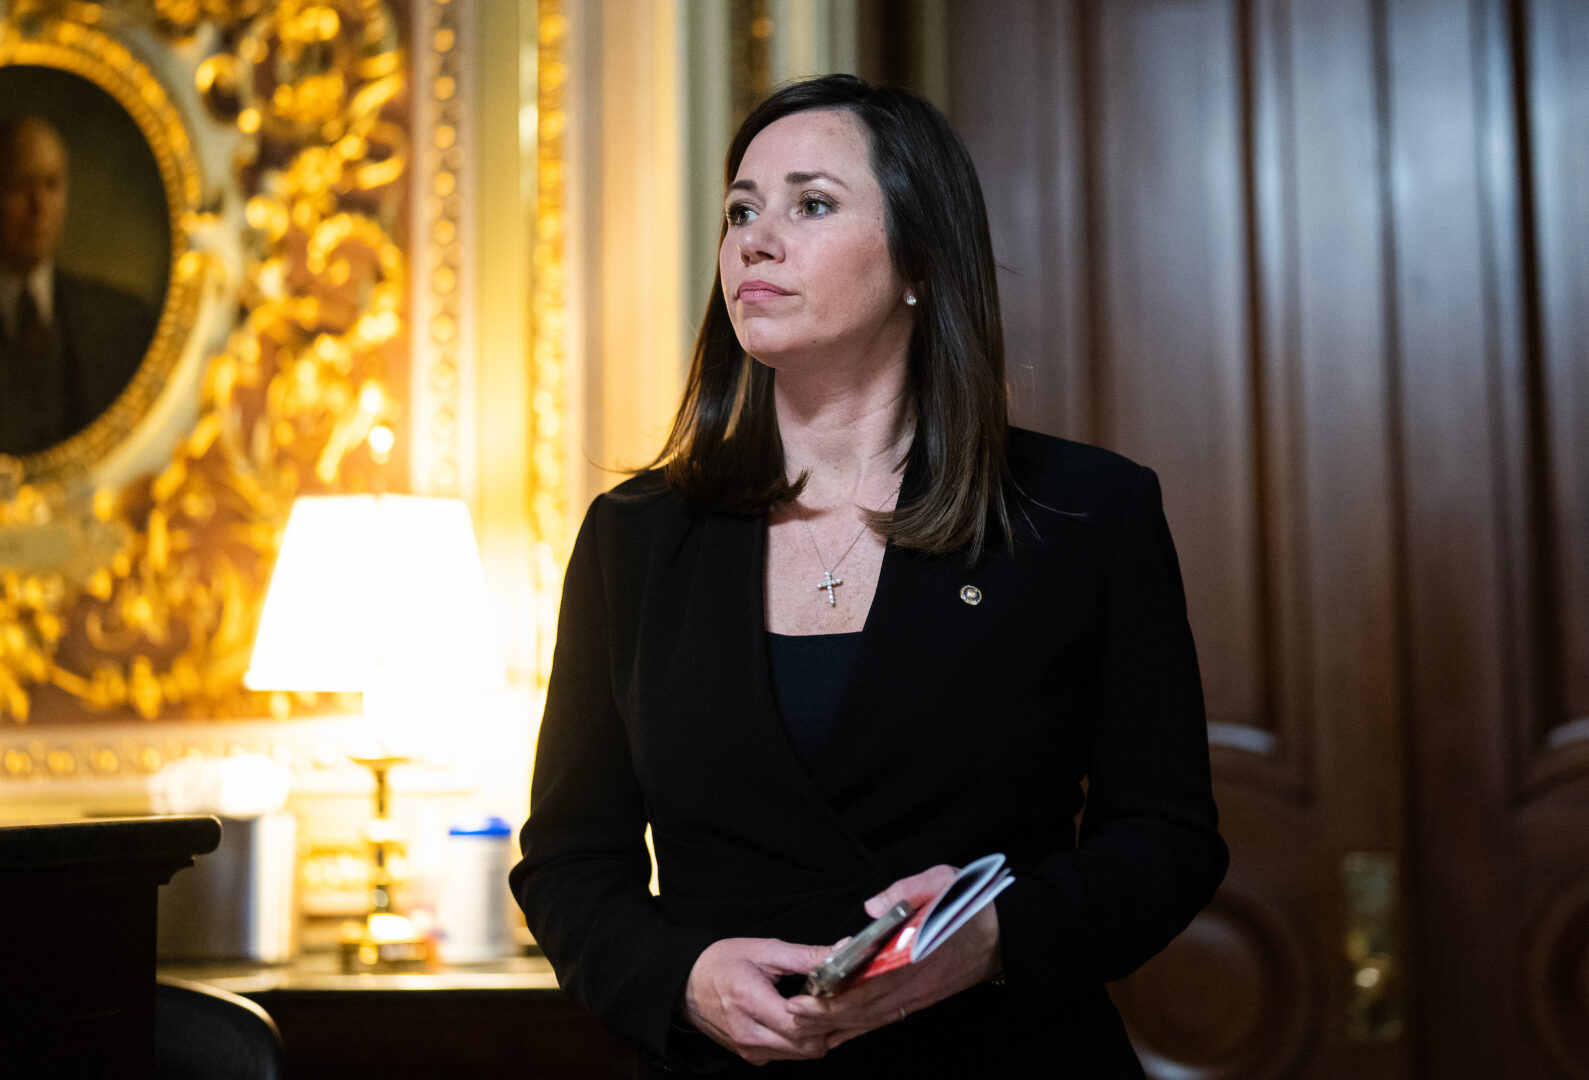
{"points": [[240, 786]]}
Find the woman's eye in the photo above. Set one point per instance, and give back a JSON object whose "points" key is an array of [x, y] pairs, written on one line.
{"points": [[814, 206], [740, 214]]}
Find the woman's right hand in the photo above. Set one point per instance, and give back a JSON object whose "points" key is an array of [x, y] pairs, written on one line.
{"points": [[731, 997]]}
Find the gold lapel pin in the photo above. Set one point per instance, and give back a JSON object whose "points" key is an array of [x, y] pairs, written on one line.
{"points": [[971, 594]]}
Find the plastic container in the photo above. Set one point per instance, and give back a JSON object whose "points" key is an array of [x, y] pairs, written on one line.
{"points": [[472, 917]]}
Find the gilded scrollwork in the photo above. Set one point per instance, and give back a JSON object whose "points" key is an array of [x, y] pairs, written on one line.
{"points": [[134, 556], [548, 314]]}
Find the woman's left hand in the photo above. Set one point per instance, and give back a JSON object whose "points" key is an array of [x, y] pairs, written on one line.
{"points": [[971, 955]]}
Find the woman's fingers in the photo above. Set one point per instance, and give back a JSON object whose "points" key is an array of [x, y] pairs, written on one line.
{"points": [[839, 1038], [786, 958], [777, 1039], [969, 956], [857, 1009], [731, 994], [731, 997], [918, 889]]}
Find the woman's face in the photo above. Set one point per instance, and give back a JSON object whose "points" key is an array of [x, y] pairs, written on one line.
{"points": [[805, 265]]}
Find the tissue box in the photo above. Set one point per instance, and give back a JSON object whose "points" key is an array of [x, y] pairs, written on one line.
{"points": [[235, 903]]}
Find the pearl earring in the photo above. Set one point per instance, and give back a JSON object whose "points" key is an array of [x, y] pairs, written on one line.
{"points": [[910, 299]]}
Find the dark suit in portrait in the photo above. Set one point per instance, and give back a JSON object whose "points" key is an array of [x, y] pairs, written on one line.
{"points": [[57, 376]]}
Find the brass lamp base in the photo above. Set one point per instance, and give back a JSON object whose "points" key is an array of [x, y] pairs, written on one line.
{"points": [[384, 940]]}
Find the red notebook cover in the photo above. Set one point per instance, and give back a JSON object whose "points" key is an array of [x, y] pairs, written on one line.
{"points": [[972, 889]]}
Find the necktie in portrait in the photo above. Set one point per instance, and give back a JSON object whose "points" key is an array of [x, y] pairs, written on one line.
{"points": [[32, 335], [34, 398]]}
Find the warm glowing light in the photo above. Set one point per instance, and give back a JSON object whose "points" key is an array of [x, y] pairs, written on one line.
{"points": [[372, 398], [381, 440], [389, 927], [376, 592]]}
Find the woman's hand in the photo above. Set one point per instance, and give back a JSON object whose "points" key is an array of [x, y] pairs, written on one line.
{"points": [[731, 997], [971, 955]]}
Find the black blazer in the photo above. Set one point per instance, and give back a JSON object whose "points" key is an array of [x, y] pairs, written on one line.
{"points": [[971, 731]]}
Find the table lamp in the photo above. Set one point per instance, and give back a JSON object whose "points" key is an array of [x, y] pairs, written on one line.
{"points": [[383, 595]]}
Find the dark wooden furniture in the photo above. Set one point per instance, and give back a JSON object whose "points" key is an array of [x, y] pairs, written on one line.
{"points": [[506, 1019], [1323, 266], [77, 900]]}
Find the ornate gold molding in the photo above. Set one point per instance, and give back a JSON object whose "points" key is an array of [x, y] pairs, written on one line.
{"points": [[751, 29], [549, 330], [154, 609], [442, 316]]}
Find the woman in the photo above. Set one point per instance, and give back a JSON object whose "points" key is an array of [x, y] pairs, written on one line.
{"points": [[853, 633]]}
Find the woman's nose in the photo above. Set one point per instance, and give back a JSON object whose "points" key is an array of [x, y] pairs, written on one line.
{"points": [[758, 242]]}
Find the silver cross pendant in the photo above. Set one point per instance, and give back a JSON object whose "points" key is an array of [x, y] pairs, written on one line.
{"points": [[828, 582]]}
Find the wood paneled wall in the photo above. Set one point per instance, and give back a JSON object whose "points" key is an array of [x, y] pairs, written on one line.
{"points": [[1325, 267]]}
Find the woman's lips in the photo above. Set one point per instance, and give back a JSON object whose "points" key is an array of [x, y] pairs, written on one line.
{"points": [[753, 291]]}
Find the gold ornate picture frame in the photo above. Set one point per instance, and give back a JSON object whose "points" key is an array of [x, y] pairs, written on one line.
{"points": [[133, 555]]}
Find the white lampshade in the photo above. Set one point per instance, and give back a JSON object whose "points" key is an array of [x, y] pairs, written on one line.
{"points": [[376, 593]]}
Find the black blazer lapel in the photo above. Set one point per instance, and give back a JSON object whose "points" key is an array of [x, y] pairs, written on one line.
{"points": [[706, 733]]}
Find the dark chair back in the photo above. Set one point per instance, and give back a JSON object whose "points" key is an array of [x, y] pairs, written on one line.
{"points": [[202, 1033]]}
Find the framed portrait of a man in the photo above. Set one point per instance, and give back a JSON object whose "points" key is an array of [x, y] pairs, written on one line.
{"points": [[85, 254], [197, 215]]}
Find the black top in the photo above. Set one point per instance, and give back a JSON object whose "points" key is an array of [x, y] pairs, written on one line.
{"points": [[810, 673], [985, 696]]}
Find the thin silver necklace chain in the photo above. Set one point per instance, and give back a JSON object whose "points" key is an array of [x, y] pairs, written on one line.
{"points": [[829, 582]]}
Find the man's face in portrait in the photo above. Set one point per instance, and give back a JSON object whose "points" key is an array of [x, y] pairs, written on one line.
{"points": [[32, 195]]}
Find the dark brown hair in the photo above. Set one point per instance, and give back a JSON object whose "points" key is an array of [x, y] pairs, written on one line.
{"points": [[724, 450]]}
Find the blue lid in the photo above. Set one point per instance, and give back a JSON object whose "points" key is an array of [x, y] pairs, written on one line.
{"points": [[486, 826]]}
